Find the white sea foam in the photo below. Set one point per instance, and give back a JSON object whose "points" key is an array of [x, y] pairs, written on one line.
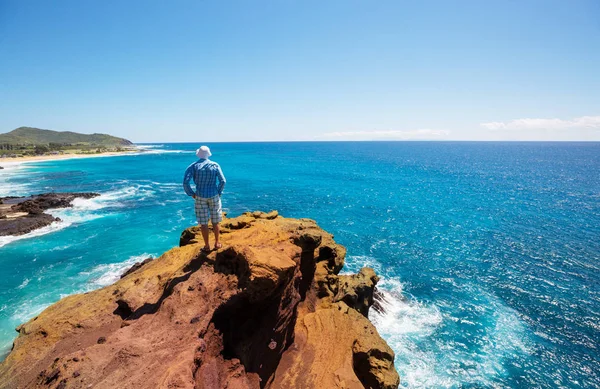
{"points": [[426, 359], [68, 218], [56, 226], [145, 147], [10, 180], [13, 189], [158, 149], [355, 262], [402, 315], [28, 309], [113, 198], [107, 274]]}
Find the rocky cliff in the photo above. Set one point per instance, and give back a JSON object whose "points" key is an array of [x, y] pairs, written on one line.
{"points": [[268, 310]]}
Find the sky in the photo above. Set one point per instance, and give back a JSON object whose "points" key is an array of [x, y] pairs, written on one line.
{"points": [[283, 70]]}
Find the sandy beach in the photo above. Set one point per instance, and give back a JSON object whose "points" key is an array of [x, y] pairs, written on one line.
{"points": [[42, 158]]}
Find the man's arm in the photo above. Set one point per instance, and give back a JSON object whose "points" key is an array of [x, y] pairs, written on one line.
{"points": [[189, 173], [221, 179]]}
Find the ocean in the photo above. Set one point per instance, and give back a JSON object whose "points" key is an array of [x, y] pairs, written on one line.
{"points": [[489, 253]]}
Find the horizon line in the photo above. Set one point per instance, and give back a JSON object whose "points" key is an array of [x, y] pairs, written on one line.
{"points": [[382, 141]]}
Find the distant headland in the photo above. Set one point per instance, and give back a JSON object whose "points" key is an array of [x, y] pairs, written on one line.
{"points": [[28, 143]]}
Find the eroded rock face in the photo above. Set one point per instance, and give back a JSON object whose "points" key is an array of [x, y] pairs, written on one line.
{"points": [[268, 310]]}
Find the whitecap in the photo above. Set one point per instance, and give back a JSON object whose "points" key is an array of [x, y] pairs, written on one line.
{"points": [[145, 147], [168, 152], [24, 283], [113, 198], [158, 149]]}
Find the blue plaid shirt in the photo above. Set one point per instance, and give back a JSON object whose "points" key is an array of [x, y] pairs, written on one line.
{"points": [[205, 174]]}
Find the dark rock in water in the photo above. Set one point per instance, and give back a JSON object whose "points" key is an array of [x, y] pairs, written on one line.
{"points": [[42, 202], [20, 215], [136, 266], [24, 224]]}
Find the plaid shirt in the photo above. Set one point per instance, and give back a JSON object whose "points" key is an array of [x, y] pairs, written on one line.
{"points": [[205, 174]]}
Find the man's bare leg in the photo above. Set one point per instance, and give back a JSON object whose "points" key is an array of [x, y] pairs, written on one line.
{"points": [[204, 229], [216, 230]]}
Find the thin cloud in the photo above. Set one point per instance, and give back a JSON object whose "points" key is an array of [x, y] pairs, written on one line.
{"points": [[423, 133], [583, 122]]}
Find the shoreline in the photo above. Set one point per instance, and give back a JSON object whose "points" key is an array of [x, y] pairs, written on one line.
{"points": [[45, 158]]}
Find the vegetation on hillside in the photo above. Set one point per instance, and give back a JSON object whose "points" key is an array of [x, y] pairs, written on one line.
{"points": [[36, 136], [35, 141]]}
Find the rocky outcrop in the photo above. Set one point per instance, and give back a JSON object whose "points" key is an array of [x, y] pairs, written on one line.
{"points": [[268, 310], [20, 215]]}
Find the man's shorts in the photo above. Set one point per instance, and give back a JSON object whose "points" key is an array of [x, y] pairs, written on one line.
{"points": [[208, 207]]}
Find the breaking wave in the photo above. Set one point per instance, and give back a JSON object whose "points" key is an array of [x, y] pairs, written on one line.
{"points": [[67, 221], [106, 274], [415, 329]]}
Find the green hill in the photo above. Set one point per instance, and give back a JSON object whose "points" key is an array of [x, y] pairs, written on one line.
{"points": [[36, 136]]}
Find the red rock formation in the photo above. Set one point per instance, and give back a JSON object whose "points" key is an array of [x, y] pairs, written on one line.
{"points": [[266, 311]]}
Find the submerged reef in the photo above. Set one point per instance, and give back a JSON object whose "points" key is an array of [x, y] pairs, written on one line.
{"points": [[268, 310]]}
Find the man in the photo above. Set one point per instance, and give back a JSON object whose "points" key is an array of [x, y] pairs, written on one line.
{"points": [[207, 196]]}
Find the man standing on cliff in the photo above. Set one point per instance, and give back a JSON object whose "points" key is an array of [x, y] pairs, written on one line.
{"points": [[210, 181]]}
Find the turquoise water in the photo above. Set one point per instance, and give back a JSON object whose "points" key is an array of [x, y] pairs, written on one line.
{"points": [[489, 252]]}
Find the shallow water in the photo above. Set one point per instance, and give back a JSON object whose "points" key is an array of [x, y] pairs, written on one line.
{"points": [[489, 252]]}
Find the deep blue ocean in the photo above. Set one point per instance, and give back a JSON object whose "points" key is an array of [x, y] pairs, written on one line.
{"points": [[489, 252]]}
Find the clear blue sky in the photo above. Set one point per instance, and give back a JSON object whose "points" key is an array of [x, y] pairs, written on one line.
{"points": [[303, 70]]}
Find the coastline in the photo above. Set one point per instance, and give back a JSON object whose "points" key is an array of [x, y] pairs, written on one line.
{"points": [[45, 158]]}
